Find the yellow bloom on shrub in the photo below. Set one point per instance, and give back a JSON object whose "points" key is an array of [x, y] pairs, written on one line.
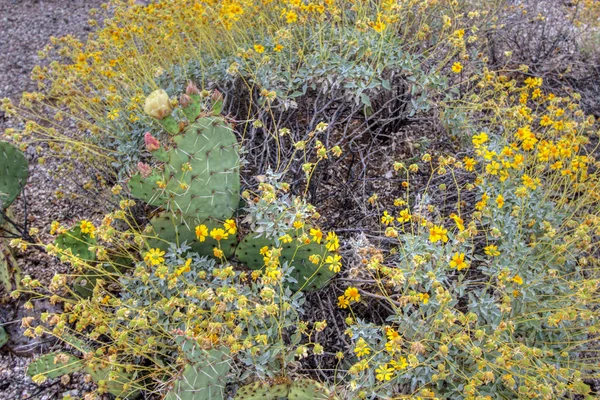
{"points": [[218, 252], [154, 257], [259, 48], [317, 235], [343, 302], [438, 233], [291, 17], [400, 364], [404, 215], [458, 261], [352, 294], [334, 262], [201, 232], [491, 250], [218, 234], [278, 48], [362, 348], [457, 67], [332, 243], [500, 201], [518, 280], [469, 164], [387, 219], [384, 373], [480, 139], [88, 228], [230, 226]]}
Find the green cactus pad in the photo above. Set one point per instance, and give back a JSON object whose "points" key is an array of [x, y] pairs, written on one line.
{"points": [[9, 268], [308, 389], [48, 365], [13, 173], [175, 229], [318, 276], [3, 337], [301, 389], [120, 386], [204, 377], [211, 187], [78, 242]]}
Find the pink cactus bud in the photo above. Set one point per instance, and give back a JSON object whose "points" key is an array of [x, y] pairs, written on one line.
{"points": [[152, 144], [144, 169], [185, 100], [191, 89], [216, 95]]}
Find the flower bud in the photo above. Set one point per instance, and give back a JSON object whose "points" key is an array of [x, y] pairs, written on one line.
{"points": [[157, 104], [152, 144], [191, 89], [144, 169], [185, 100], [216, 95]]}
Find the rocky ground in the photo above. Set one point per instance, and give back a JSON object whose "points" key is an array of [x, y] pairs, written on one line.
{"points": [[25, 27]]}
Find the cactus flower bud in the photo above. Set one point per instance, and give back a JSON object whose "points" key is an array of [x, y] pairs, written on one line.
{"points": [[152, 144], [157, 104], [216, 95], [144, 169], [185, 100], [191, 89]]}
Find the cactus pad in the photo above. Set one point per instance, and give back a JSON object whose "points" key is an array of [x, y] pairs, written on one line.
{"points": [[13, 173], [204, 377], [174, 229], [3, 337], [201, 177], [55, 365], [119, 386], [77, 242], [309, 276], [301, 389]]}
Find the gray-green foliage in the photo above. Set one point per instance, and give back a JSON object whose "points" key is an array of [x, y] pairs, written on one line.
{"points": [[308, 276], [201, 173], [299, 389], [204, 376]]}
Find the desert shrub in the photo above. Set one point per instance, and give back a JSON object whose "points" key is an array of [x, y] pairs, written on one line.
{"points": [[490, 274], [364, 68]]}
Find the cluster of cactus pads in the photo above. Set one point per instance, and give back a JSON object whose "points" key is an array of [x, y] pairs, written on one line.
{"points": [[299, 389], [14, 170], [195, 179]]}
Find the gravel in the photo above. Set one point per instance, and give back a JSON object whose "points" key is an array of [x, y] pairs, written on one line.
{"points": [[26, 27]]}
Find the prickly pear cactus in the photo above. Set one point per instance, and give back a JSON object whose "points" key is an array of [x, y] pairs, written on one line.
{"points": [[3, 337], [54, 365], [9, 269], [120, 386], [300, 389], [201, 177], [204, 377], [77, 242], [13, 173], [170, 228], [309, 276]]}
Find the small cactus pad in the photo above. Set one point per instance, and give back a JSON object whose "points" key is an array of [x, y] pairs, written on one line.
{"points": [[204, 377], [3, 337], [55, 365], [13, 173], [77, 242], [301, 389], [120, 386], [318, 275], [175, 229], [201, 177], [308, 389]]}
